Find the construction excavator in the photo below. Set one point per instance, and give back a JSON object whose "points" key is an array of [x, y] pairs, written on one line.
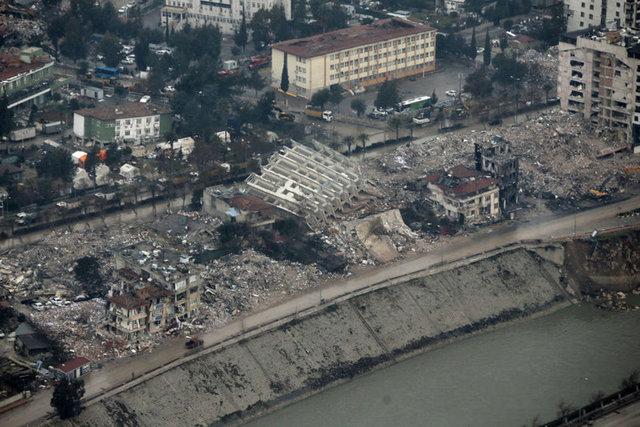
{"points": [[601, 192]]}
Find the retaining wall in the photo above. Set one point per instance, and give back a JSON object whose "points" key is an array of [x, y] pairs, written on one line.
{"points": [[345, 340]]}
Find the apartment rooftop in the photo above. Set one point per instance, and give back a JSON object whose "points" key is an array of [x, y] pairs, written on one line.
{"points": [[169, 264], [124, 111], [624, 37], [462, 181], [12, 66], [379, 31]]}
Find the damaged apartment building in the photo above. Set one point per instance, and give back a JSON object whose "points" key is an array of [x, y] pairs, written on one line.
{"points": [[232, 205], [464, 194], [154, 286], [308, 183], [599, 78], [496, 158]]}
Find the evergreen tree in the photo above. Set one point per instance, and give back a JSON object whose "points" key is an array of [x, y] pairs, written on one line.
{"points": [[387, 95], [66, 397], [6, 116], [284, 80], [473, 46], [487, 50], [434, 97], [241, 37]]}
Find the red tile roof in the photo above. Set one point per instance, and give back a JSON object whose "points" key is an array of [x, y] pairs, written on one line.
{"points": [[250, 203], [73, 364], [334, 41], [462, 181]]}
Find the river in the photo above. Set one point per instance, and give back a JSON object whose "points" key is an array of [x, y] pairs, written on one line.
{"points": [[505, 377]]}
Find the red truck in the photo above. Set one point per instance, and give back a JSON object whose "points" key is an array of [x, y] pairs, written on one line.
{"points": [[259, 62], [194, 342]]}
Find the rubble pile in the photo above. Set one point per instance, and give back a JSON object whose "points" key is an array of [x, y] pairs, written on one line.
{"points": [[46, 268], [557, 152], [620, 256], [614, 301], [23, 29], [242, 282], [76, 327], [546, 61]]}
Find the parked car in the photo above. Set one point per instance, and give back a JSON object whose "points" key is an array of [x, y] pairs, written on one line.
{"points": [[378, 114], [38, 306], [451, 92], [194, 342], [57, 301]]}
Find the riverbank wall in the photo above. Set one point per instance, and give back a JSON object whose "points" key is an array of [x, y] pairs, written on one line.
{"points": [[344, 340]]}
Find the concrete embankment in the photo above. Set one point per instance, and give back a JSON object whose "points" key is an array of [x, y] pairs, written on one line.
{"points": [[346, 339]]}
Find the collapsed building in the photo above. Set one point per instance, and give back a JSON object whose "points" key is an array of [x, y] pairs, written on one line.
{"points": [[310, 183], [232, 205], [154, 287], [464, 194], [496, 158]]}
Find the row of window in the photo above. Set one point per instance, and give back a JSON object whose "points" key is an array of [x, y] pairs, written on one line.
{"points": [[383, 45], [356, 62], [138, 121], [376, 74]]}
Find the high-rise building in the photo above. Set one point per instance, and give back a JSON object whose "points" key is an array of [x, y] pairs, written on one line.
{"points": [[599, 77], [612, 14]]}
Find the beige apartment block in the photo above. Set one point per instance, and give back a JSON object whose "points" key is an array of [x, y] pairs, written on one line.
{"points": [[599, 78], [358, 56]]}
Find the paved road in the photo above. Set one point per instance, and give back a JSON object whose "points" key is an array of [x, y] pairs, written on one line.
{"points": [[550, 227]]}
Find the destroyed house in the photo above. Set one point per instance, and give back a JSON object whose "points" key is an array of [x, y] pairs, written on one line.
{"points": [[232, 206], [496, 158], [155, 286], [463, 192], [310, 183], [29, 341]]}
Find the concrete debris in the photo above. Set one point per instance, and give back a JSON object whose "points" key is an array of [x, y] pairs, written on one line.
{"points": [[557, 154]]}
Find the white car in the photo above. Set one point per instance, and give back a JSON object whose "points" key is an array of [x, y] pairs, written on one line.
{"points": [[37, 306], [56, 301], [451, 92], [128, 61], [169, 89]]}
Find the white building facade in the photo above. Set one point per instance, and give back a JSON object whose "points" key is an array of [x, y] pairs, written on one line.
{"points": [[226, 14], [599, 78]]}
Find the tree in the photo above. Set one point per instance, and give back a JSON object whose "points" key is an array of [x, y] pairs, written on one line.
{"points": [[509, 71], [56, 163], [394, 123], [348, 141], [630, 381], [473, 45], [359, 106], [87, 272], [6, 116], [387, 95], [111, 50], [92, 161], [434, 97], [284, 80], [141, 50], [335, 95], [320, 98], [67, 396], [240, 38], [478, 84], [256, 81], [486, 59], [363, 138], [546, 87]]}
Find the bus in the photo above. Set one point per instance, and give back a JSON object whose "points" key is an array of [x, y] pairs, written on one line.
{"points": [[107, 73], [414, 104]]}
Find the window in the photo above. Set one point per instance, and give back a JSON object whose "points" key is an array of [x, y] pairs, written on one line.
{"points": [[590, 16], [590, 7]]}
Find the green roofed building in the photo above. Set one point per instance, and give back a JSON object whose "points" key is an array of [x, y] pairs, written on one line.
{"points": [[131, 123]]}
